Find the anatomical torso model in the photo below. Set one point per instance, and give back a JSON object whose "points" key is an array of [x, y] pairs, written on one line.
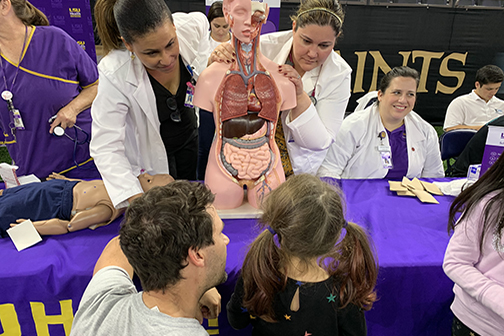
{"points": [[246, 98]]}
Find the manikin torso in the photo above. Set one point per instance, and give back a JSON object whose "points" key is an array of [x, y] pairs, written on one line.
{"points": [[246, 98]]}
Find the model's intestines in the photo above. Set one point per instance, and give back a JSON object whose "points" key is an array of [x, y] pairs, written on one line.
{"points": [[248, 102]]}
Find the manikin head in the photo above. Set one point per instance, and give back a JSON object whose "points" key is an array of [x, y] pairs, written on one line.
{"points": [[150, 181], [245, 18]]}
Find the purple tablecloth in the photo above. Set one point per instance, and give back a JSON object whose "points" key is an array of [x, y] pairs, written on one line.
{"points": [[410, 238]]}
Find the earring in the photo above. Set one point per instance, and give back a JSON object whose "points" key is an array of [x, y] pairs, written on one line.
{"points": [[132, 56]]}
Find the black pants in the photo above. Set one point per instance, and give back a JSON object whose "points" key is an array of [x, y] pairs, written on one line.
{"points": [[460, 329], [183, 161]]}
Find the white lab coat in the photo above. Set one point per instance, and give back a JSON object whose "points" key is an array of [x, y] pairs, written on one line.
{"points": [[355, 153], [125, 130], [309, 136]]}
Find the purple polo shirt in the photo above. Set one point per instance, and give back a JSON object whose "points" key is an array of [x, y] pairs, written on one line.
{"points": [[399, 148]]}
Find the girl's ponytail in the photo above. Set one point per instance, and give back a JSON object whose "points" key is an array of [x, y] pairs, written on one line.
{"points": [[357, 269], [261, 277]]}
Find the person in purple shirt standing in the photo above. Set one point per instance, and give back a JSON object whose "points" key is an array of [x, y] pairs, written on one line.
{"points": [[474, 256], [46, 80], [388, 139]]}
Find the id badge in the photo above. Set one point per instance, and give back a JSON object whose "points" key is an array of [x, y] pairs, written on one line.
{"points": [[18, 121], [189, 95], [386, 156]]}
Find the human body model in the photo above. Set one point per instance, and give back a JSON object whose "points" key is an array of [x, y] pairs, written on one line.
{"points": [[474, 256], [246, 107], [64, 205], [309, 272]]}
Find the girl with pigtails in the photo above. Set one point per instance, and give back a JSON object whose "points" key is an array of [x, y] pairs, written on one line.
{"points": [[309, 272]]}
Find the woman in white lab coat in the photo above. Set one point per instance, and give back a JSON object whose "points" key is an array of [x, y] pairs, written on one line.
{"points": [[140, 119], [388, 139]]}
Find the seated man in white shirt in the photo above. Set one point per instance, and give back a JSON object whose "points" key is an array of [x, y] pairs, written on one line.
{"points": [[473, 110], [172, 239]]}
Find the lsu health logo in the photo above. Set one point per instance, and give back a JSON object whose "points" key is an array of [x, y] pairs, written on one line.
{"points": [[82, 44], [74, 12]]}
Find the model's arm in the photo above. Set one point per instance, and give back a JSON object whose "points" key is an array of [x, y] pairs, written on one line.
{"points": [[238, 317], [113, 255], [462, 254], [433, 165], [97, 215], [107, 147]]}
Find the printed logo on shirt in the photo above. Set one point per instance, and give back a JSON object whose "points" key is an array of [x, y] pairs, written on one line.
{"points": [[74, 12], [82, 44]]}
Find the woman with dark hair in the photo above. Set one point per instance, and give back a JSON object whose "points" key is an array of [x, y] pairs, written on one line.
{"points": [[474, 259], [46, 80], [219, 28], [388, 139], [322, 79], [309, 271], [143, 119]]}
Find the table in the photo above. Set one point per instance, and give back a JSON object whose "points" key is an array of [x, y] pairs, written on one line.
{"points": [[40, 287]]}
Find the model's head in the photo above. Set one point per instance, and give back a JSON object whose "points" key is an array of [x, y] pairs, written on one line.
{"points": [[148, 181], [219, 28], [167, 224], [245, 18], [306, 214], [397, 93], [488, 81], [26, 12], [316, 26]]}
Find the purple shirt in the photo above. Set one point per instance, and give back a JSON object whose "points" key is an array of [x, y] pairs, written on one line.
{"points": [[398, 146], [53, 71]]}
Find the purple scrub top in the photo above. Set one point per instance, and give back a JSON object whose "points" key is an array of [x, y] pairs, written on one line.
{"points": [[52, 72], [399, 148]]}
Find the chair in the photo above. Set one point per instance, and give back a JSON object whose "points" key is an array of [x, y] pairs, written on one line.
{"points": [[453, 143]]}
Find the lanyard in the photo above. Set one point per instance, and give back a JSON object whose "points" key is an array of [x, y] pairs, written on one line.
{"points": [[16, 120], [7, 94]]}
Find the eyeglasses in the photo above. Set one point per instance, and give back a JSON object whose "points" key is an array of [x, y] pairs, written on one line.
{"points": [[172, 105]]}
